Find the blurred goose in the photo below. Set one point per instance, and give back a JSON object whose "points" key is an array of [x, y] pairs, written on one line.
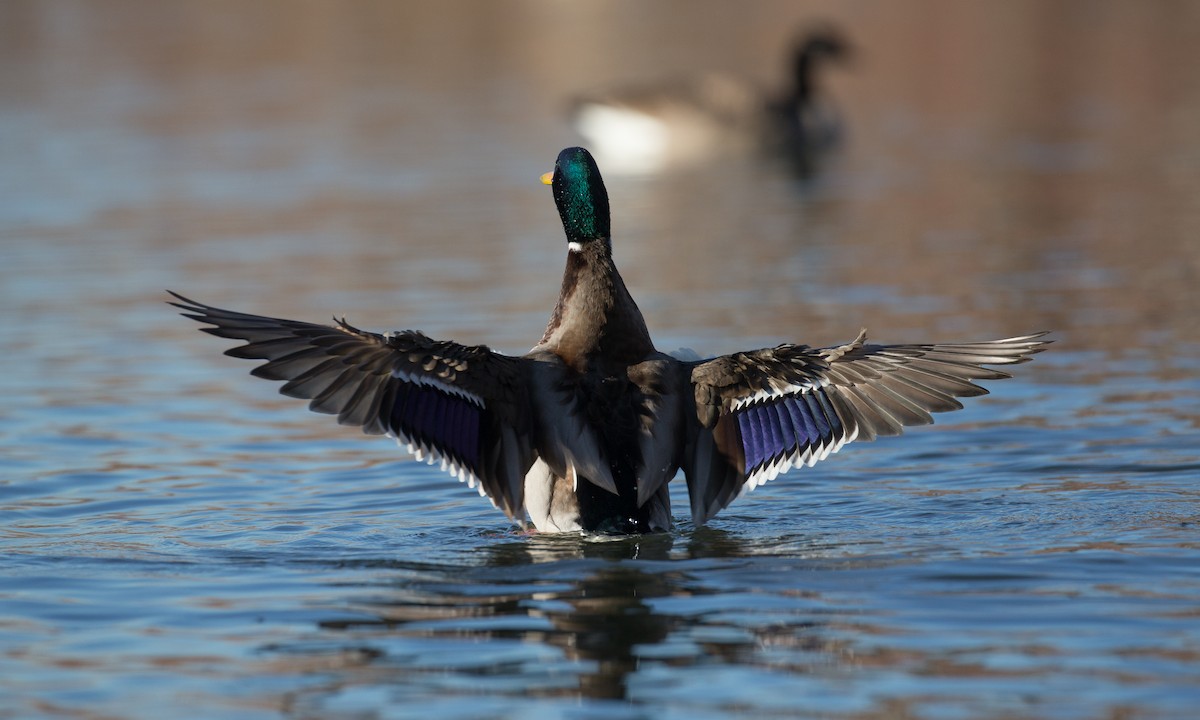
{"points": [[651, 129], [585, 430]]}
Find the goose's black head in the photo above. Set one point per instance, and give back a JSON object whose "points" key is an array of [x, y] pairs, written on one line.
{"points": [[816, 46], [580, 196]]}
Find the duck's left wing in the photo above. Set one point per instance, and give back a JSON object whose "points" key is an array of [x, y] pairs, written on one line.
{"points": [[764, 411], [463, 406]]}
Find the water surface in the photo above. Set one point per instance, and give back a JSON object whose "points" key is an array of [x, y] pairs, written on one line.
{"points": [[178, 540]]}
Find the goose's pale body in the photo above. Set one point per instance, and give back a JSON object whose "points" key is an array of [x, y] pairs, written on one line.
{"points": [[656, 128]]}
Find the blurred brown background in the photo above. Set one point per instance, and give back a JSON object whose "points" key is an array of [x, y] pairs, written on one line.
{"points": [[1008, 167]]}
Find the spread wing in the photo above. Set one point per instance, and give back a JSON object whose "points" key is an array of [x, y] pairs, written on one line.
{"points": [[764, 411], [465, 407]]}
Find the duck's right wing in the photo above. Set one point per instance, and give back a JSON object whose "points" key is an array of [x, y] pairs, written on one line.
{"points": [[466, 407], [762, 412]]}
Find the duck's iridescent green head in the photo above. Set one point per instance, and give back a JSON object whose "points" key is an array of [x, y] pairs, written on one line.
{"points": [[580, 195]]}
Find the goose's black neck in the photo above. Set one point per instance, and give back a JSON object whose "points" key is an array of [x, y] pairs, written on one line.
{"points": [[802, 77], [817, 48]]}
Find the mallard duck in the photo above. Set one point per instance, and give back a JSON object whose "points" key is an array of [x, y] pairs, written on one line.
{"points": [[651, 129], [585, 431]]}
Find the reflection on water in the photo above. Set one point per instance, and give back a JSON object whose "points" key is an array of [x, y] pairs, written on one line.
{"points": [[649, 621], [596, 614], [180, 541]]}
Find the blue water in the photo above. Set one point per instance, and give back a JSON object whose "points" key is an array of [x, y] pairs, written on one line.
{"points": [[179, 541]]}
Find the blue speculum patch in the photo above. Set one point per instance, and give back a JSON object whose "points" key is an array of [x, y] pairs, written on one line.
{"points": [[784, 426], [439, 419]]}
